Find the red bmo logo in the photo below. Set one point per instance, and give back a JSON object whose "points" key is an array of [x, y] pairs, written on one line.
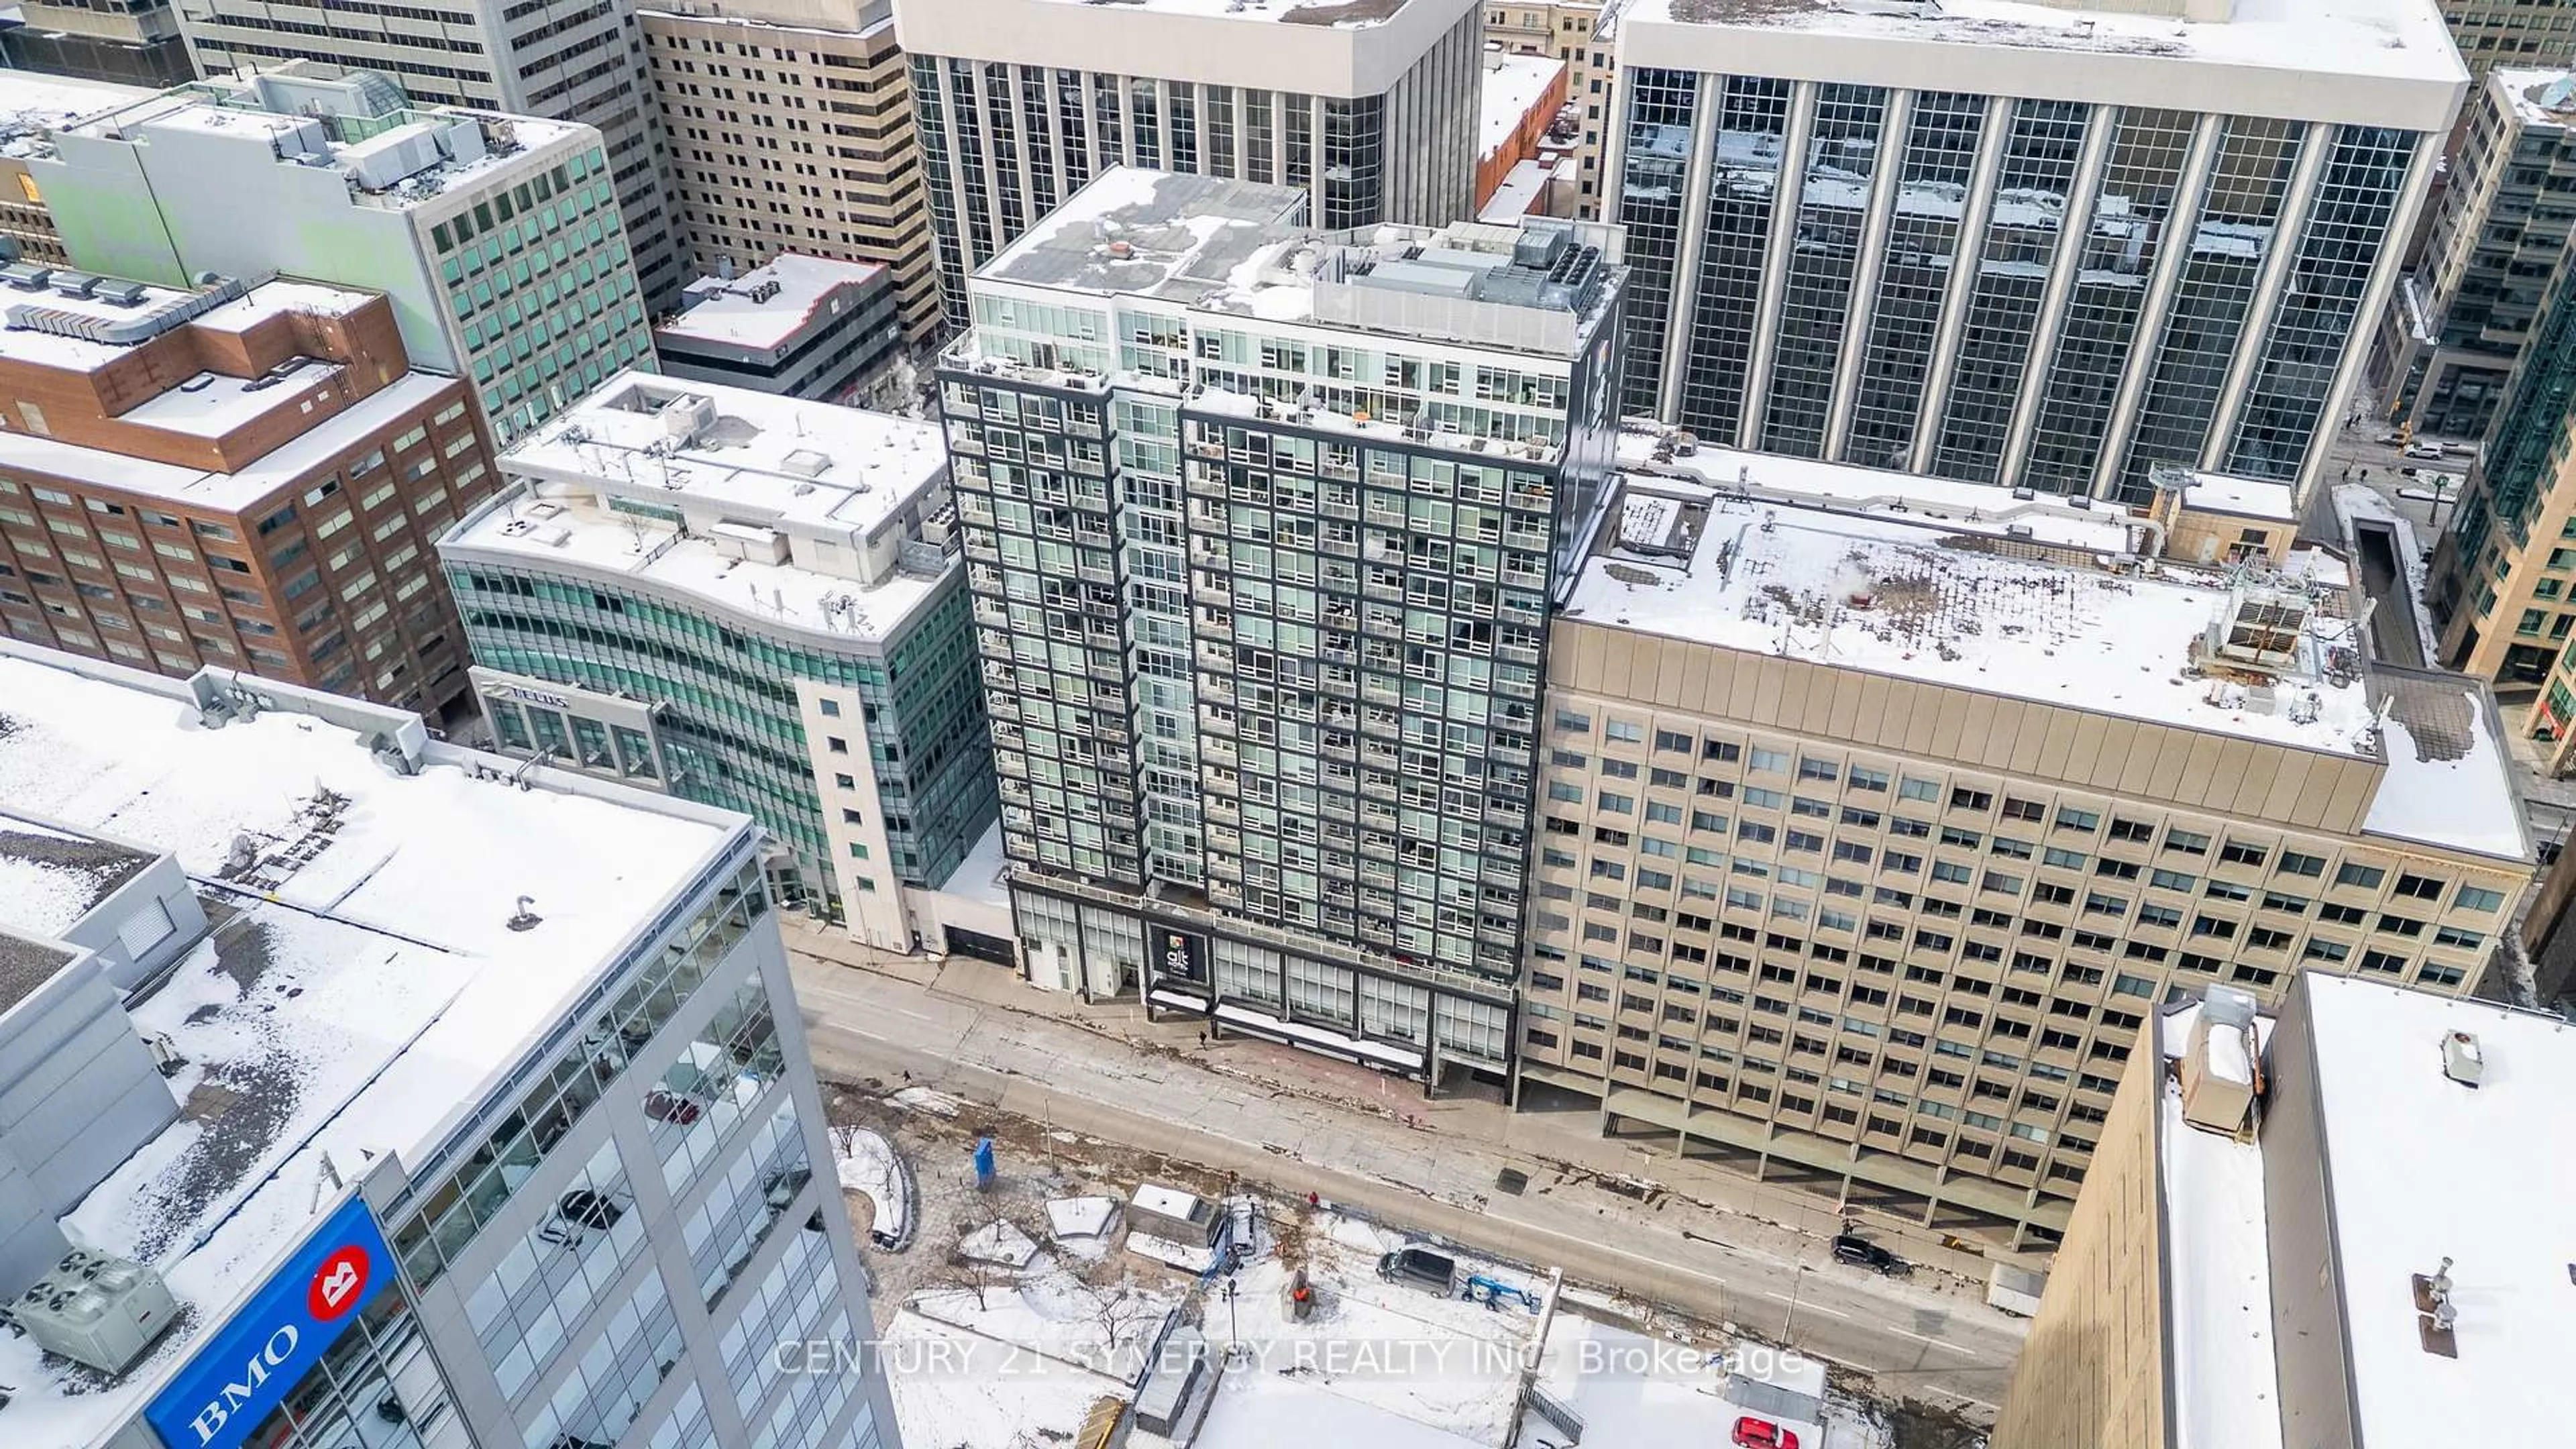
{"points": [[337, 1284]]}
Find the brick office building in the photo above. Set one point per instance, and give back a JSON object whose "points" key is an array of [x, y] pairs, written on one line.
{"points": [[237, 477]]}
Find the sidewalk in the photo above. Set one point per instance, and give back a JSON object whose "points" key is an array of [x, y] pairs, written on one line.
{"points": [[1802, 1221]]}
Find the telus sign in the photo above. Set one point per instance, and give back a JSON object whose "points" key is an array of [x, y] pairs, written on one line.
{"points": [[246, 1369]]}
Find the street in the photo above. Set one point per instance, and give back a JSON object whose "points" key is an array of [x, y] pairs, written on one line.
{"points": [[1934, 1340]]}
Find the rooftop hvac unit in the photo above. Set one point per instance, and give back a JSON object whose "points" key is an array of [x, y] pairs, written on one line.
{"points": [[96, 1309], [2221, 1064], [685, 415]]}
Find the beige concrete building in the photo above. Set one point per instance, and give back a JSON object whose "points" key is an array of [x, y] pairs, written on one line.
{"points": [[2494, 33], [2316, 1229], [1879, 812], [791, 130], [1563, 29]]}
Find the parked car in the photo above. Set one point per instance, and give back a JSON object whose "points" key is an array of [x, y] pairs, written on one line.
{"points": [[1421, 1266], [1753, 1433], [1861, 1252], [2423, 450]]}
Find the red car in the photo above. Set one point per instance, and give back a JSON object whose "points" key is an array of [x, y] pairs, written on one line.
{"points": [[1753, 1433]]}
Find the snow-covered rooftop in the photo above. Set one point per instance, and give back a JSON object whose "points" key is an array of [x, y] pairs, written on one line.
{"points": [[2263, 498], [1952, 605], [2539, 96], [356, 1000], [2074, 521], [2397, 39], [1241, 249], [1514, 86], [50, 878], [2418, 1168], [2218, 1277], [1520, 193], [753, 472], [2448, 781], [767, 306]]}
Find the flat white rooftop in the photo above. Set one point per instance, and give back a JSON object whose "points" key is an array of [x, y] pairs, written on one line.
{"points": [[774, 458], [758, 466], [2275, 57], [2418, 1168], [358, 999], [744, 312]]}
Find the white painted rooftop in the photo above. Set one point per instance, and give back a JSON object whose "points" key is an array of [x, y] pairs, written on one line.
{"points": [[2418, 1168], [733, 311], [1513, 86], [827, 479], [371, 994]]}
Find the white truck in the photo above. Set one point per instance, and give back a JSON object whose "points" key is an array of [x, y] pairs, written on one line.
{"points": [[2015, 1290]]}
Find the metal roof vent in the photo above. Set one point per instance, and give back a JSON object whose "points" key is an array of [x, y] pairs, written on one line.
{"points": [[2463, 1060]]}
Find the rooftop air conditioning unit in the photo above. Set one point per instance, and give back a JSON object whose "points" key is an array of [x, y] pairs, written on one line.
{"points": [[98, 1310], [2221, 1065], [685, 415]]}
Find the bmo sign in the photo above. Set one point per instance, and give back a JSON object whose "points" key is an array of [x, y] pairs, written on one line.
{"points": [[246, 1370]]}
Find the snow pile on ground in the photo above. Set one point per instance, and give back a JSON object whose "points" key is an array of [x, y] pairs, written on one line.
{"points": [[870, 1167], [953, 1390], [924, 1100], [1000, 1242], [1048, 1310], [1191, 1258], [1082, 1224], [1446, 1364]]}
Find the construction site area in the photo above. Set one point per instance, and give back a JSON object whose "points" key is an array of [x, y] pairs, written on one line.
{"points": [[1035, 1286]]}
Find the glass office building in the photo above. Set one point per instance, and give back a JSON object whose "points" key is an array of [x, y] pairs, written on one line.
{"points": [[2056, 277], [466, 1170], [1263, 622], [748, 600]]}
